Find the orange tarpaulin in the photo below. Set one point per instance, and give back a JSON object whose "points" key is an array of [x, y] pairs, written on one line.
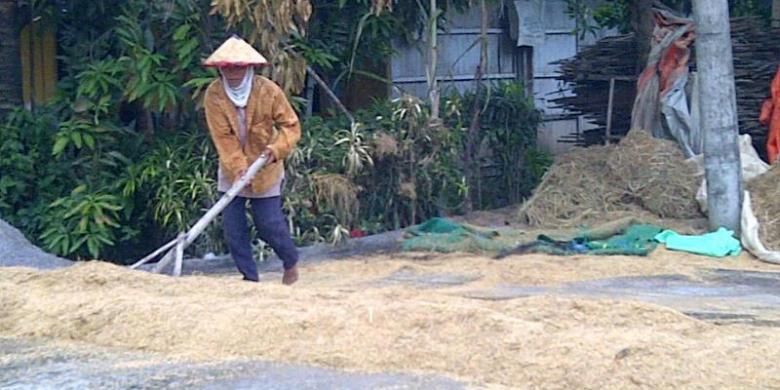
{"points": [[661, 105], [770, 116], [673, 61]]}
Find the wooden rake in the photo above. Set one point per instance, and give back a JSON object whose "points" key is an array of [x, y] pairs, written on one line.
{"points": [[175, 248]]}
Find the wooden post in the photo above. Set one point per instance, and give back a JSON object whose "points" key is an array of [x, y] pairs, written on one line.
{"points": [[718, 110], [185, 239], [609, 111]]}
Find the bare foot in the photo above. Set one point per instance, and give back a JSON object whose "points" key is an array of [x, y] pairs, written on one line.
{"points": [[290, 276]]}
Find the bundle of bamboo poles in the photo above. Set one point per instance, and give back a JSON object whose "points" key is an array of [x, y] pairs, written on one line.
{"points": [[756, 58]]}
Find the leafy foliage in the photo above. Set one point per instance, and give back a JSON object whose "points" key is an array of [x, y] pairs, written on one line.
{"points": [[79, 172], [121, 160], [506, 139], [82, 219], [272, 24], [617, 14], [389, 170]]}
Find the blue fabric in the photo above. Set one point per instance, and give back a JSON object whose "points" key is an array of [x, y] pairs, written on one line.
{"points": [[271, 225], [719, 243]]}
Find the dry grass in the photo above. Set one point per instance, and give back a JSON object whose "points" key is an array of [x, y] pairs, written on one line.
{"points": [[408, 190], [577, 186], [338, 192], [655, 172], [642, 176], [765, 198], [384, 145], [337, 317]]}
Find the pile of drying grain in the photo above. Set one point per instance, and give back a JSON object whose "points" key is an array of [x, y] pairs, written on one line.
{"points": [[656, 173], [642, 175], [765, 200]]}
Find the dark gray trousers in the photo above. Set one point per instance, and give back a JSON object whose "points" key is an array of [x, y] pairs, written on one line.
{"points": [[272, 228]]}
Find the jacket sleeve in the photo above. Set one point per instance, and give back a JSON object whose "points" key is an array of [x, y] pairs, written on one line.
{"points": [[231, 156], [288, 124]]}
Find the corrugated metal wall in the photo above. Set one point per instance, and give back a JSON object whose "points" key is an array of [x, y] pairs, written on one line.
{"points": [[545, 29], [525, 39], [458, 56]]}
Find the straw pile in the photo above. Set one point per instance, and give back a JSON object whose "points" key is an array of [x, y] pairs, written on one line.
{"points": [[578, 185], [765, 199], [642, 176], [655, 172]]}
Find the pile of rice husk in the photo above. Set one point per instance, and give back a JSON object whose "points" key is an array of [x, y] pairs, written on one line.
{"points": [[656, 173], [641, 176], [340, 321], [578, 185], [765, 199]]}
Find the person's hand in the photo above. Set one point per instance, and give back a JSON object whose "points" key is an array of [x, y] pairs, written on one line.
{"points": [[271, 157], [241, 174]]}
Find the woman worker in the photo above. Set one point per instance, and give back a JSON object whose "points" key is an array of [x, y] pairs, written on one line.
{"points": [[249, 115]]}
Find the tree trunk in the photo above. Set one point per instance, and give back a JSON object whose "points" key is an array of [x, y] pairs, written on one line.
{"points": [[775, 13], [433, 87], [10, 63], [715, 64], [642, 24]]}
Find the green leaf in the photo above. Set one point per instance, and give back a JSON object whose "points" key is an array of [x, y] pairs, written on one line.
{"points": [[64, 247], [93, 247], [80, 241], [112, 207], [59, 146], [181, 32], [119, 156], [89, 140], [81, 207], [48, 233], [76, 136], [83, 224], [105, 240], [57, 203], [81, 105]]}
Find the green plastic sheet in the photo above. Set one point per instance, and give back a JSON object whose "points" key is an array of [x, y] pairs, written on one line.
{"points": [[719, 243], [445, 235]]}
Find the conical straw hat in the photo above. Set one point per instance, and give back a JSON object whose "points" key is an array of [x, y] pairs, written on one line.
{"points": [[237, 52]]}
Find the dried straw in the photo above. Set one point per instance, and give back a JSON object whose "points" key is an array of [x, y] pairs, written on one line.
{"points": [[655, 172], [384, 145], [338, 192], [765, 199], [642, 176], [578, 186], [341, 318]]}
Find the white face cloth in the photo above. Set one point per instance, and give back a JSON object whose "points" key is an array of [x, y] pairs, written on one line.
{"points": [[240, 94]]}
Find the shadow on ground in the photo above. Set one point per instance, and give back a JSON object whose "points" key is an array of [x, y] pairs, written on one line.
{"points": [[34, 365]]}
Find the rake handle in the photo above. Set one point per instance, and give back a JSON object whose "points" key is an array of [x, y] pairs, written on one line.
{"points": [[189, 237]]}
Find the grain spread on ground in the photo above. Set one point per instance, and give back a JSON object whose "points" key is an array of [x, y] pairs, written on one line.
{"points": [[339, 316]]}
